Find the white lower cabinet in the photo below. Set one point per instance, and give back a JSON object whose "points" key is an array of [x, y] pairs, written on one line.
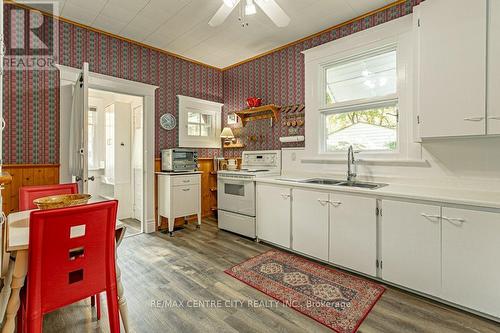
{"points": [[273, 205], [448, 253], [310, 223], [353, 232], [471, 265], [411, 245]]}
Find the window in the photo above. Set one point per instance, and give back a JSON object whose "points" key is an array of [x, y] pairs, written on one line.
{"points": [[360, 104], [199, 123], [372, 129]]}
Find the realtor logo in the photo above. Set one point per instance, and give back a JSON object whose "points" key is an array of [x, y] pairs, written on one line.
{"points": [[31, 41]]}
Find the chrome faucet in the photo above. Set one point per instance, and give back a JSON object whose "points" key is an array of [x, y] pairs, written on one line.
{"points": [[351, 165]]}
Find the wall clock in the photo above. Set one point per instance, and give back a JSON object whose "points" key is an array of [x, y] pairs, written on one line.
{"points": [[168, 121]]}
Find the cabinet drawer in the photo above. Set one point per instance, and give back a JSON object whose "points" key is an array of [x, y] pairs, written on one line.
{"points": [[186, 200], [185, 180]]}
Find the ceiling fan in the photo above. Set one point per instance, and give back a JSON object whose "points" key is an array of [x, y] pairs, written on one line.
{"points": [[269, 7]]}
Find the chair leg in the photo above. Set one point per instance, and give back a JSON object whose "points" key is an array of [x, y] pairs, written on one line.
{"points": [[98, 305], [34, 325], [113, 314], [20, 320]]}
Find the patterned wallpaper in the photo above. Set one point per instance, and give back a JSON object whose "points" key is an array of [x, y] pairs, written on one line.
{"points": [[278, 78], [31, 98]]}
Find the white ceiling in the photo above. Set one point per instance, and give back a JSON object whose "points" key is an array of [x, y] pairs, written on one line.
{"points": [[181, 26]]}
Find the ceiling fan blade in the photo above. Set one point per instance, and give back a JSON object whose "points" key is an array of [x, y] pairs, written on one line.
{"points": [[274, 11], [222, 14]]}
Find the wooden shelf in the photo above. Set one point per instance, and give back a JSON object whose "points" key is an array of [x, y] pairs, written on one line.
{"points": [[233, 145], [270, 111]]}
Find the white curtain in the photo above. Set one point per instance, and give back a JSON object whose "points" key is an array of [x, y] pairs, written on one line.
{"points": [[76, 131]]}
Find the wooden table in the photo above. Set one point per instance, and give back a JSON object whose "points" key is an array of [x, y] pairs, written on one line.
{"points": [[17, 241]]}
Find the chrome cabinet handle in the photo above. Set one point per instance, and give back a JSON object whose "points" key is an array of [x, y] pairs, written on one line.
{"points": [[186, 181], [335, 203], [474, 119], [185, 189], [323, 202], [455, 220], [286, 196], [494, 117], [427, 216]]}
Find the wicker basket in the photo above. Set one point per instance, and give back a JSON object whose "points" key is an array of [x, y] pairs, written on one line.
{"points": [[63, 200]]}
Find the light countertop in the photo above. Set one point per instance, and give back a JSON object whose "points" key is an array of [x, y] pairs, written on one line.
{"points": [[465, 197], [182, 173]]}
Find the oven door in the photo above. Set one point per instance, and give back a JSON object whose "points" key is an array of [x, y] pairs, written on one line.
{"points": [[236, 195]]}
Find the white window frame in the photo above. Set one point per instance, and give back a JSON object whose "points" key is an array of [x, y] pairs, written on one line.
{"points": [[354, 105], [395, 34], [191, 104]]}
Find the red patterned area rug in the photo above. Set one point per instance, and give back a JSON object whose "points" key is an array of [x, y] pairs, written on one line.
{"points": [[333, 298]]}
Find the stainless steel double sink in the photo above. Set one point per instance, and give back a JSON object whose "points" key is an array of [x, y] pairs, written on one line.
{"points": [[334, 182]]}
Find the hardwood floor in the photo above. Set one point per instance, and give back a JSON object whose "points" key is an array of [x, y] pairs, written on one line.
{"points": [[133, 226], [157, 269]]}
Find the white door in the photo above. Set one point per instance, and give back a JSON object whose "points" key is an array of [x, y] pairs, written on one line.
{"points": [[471, 266], [78, 152], [273, 214], [310, 223], [353, 232], [451, 67], [411, 245], [494, 67]]}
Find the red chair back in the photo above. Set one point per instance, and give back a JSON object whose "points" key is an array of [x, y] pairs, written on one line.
{"points": [[29, 193], [71, 257]]}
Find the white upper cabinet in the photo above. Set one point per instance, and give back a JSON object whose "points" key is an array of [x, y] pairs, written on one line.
{"points": [[310, 223], [471, 270], [451, 42], [353, 232], [493, 106], [273, 205], [411, 245]]}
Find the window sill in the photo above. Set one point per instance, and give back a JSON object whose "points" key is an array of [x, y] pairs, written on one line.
{"points": [[367, 161]]}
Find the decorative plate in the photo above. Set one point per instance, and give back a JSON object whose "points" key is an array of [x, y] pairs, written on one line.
{"points": [[168, 121]]}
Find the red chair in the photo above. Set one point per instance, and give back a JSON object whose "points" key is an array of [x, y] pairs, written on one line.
{"points": [[29, 193], [71, 257]]}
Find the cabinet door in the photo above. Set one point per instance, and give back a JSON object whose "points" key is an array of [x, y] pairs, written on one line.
{"points": [[471, 250], [494, 67], [310, 223], [353, 232], [451, 37], [186, 200], [411, 245], [273, 214]]}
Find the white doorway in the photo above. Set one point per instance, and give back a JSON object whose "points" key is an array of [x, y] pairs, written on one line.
{"points": [[140, 98], [115, 155]]}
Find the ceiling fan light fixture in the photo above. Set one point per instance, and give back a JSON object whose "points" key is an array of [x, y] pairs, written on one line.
{"points": [[250, 8], [230, 3]]}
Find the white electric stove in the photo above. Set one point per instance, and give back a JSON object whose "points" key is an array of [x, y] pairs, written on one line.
{"points": [[236, 190]]}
